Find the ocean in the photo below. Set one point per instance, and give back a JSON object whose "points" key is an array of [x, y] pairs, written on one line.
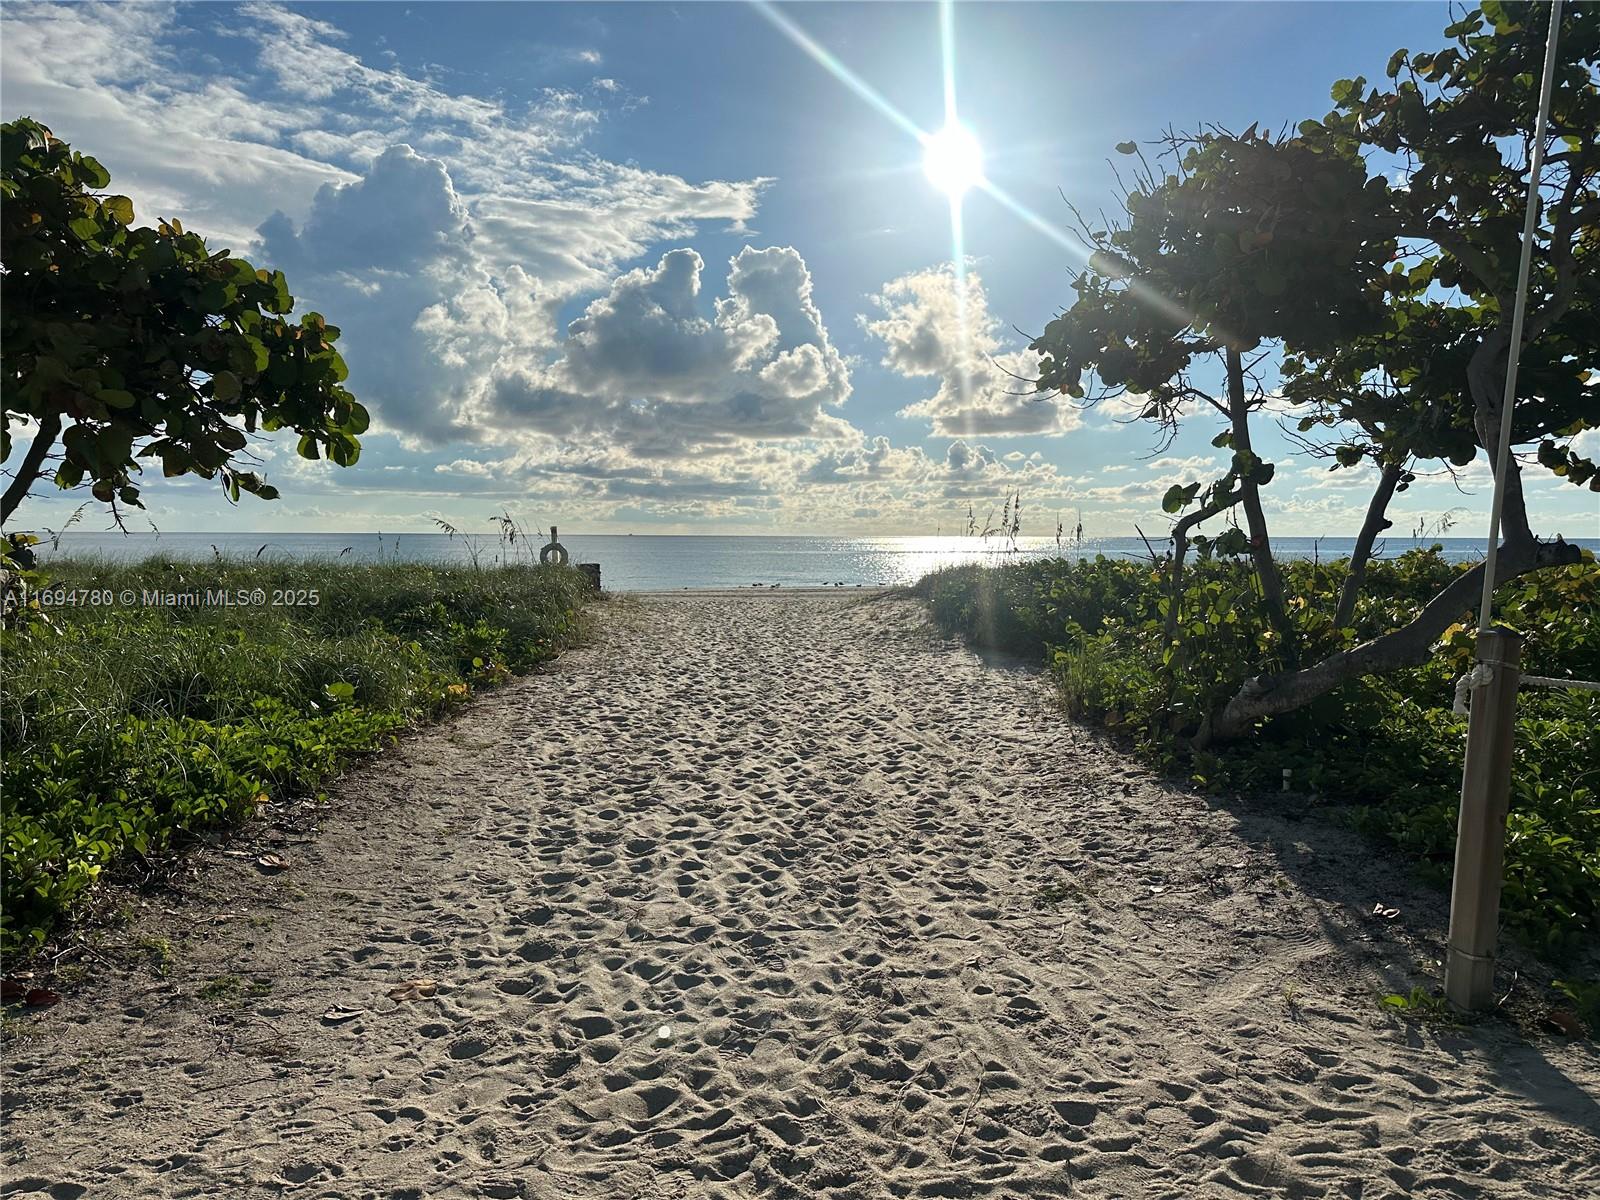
{"points": [[651, 562]]}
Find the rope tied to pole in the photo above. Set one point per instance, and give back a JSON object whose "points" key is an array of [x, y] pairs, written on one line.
{"points": [[1581, 685], [1478, 677]]}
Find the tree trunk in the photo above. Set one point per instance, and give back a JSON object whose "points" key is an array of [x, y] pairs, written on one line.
{"points": [[1488, 394], [1250, 496], [1375, 524], [1404, 647], [28, 471], [1180, 550]]}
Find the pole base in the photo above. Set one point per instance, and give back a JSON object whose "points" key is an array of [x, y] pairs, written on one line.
{"points": [[1468, 980]]}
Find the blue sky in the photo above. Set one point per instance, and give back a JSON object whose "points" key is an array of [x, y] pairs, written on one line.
{"points": [[651, 267]]}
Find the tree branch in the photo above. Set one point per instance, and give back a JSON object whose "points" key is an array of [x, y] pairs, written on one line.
{"points": [[1404, 647], [1260, 544], [1376, 522], [28, 472], [1487, 399]]}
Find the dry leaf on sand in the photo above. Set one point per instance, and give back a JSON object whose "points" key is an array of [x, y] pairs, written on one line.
{"points": [[1564, 1021], [272, 862], [414, 989], [338, 1014]]}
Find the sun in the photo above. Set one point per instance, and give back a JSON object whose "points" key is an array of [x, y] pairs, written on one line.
{"points": [[953, 160]]}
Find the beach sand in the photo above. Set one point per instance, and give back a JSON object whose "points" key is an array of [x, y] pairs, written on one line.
{"points": [[909, 932]]}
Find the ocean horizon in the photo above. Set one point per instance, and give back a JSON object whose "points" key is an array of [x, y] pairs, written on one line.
{"points": [[672, 562]]}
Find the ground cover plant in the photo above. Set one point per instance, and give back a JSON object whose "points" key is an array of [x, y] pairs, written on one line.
{"points": [[135, 717], [1388, 745]]}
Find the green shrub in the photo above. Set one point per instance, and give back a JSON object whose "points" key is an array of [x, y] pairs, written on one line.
{"points": [[126, 727]]}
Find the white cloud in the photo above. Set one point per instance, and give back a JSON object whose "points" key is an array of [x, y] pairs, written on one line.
{"points": [[466, 466], [444, 232], [932, 325], [1587, 444], [646, 369], [440, 230], [111, 80], [1200, 466]]}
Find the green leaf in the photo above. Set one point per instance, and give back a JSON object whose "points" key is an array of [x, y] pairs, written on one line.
{"points": [[175, 460], [282, 301], [118, 208], [91, 172], [225, 386], [1271, 281], [213, 297], [343, 450], [1112, 266], [1127, 148], [1231, 541], [1178, 496], [258, 350], [115, 446]]}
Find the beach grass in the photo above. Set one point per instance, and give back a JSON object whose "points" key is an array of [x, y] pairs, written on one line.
{"points": [[151, 699]]}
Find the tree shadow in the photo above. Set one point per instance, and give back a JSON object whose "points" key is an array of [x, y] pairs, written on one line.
{"points": [[1389, 923]]}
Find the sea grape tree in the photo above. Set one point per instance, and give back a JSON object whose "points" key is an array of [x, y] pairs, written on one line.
{"points": [[1385, 309], [121, 344]]}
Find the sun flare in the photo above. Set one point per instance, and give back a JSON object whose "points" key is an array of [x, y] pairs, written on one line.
{"points": [[953, 160]]}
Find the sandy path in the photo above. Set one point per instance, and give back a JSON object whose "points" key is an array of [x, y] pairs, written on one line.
{"points": [[810, 836]]}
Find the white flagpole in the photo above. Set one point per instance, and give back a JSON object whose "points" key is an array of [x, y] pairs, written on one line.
{"points": [[1518, 312], [1486, 774]]}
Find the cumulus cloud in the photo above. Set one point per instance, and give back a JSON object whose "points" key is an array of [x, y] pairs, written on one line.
{"points": [[402, 215], [1195, 466], [440, 230], [646, 368], [872, 461], [112, 80], [1160, 474], [446, 233], [934, 325]]}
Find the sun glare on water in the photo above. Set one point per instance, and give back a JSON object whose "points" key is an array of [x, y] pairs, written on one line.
{"points": [[953, 160]]}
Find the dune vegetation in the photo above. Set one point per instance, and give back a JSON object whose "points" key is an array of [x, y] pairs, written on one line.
{"points": [[147, 701], [1389, 747]]}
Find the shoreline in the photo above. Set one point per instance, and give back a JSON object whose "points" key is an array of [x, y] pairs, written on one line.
{"points": [[766, 589]]}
